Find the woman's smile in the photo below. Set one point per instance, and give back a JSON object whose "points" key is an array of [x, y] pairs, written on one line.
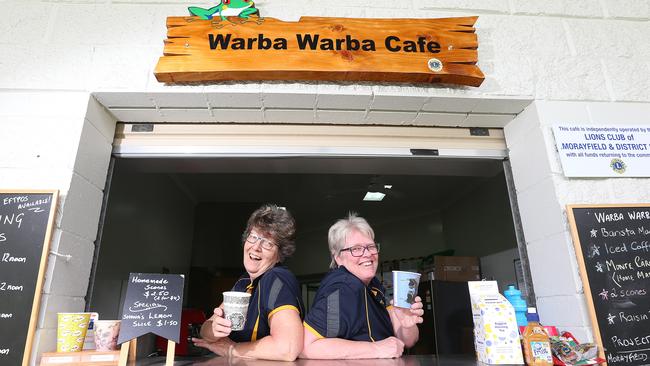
{"points": [[257, 258]]}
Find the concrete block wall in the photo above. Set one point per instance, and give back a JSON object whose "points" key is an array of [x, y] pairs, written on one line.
{"points": [[554, 50], [59, 140], [543, 192]]}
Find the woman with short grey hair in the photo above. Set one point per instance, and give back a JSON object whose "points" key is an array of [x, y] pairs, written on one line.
{"points": [[339, 231], [350, 317]]}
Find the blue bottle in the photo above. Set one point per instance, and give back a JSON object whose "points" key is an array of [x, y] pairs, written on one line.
{"points": [[514, 297]]}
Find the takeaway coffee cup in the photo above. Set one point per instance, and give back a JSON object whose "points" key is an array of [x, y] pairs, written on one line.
{"points": [[106, 333], [235, 307], [405, 288], [71, 331]]}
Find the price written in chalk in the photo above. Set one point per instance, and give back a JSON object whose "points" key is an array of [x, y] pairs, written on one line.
{"points": [[153, 304], [157, 323], [161, 296]]}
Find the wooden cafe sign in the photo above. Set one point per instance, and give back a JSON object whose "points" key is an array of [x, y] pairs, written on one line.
{"points": [[230, 41]]}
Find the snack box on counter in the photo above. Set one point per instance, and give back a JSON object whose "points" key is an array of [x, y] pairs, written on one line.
{"points": [[496, 337]]}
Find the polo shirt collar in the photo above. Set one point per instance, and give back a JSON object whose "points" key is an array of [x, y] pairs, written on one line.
{"points": [[253, 284], [374, 283]]}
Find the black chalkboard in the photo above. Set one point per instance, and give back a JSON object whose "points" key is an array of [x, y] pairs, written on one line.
{"points": [[153, 304], [613, 248], [26, 219]]}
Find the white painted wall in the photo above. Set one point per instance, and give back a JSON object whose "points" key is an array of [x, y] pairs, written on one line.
{"points": [[543, 192], [54, 54], [557, 50], [40, 134]]}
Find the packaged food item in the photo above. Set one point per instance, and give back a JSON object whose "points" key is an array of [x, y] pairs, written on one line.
{"points": [[568, 351], [564, 349], [587, 350], [496, 337]]}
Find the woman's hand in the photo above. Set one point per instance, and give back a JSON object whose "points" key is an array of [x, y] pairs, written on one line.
{"points": [[408, 318], [220, 347], [217, 327]]}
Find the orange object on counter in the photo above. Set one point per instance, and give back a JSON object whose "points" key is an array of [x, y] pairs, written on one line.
{"points": [[551, 330], [537, 346]]}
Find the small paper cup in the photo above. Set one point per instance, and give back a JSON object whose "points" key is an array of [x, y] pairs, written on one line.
{"points": [[71, 331], [235, 308], [405, 288], [106, 333]]}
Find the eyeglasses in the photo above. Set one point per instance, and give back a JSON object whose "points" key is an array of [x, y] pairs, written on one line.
{"points": [[265, 243], [358, 250]]}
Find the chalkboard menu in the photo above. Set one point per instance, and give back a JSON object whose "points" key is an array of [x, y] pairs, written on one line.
{"points": [[613, 249], [153, 304], [26, 219]]}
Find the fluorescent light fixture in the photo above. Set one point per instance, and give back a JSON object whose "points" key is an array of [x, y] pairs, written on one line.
{"points": [[374, 196], [388, 186]]}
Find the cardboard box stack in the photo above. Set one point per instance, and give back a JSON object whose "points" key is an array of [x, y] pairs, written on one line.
{"points": [[432, 267], [496, 336], [452, 268]]}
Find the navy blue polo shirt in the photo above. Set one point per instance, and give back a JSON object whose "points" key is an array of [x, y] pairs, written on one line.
{"points": [[346, 308], [276, 289]]}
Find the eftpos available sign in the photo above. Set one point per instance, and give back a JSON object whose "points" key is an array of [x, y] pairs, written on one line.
{"points": [[603, 151]]}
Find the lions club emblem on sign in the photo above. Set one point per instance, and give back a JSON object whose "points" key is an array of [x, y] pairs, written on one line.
{"points": [[618, 166]]}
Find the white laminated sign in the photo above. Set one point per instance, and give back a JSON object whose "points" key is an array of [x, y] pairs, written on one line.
{"points": [[603, 151]]}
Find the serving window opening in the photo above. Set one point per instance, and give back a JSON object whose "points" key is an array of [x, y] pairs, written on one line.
{"points": [[449, 218]]}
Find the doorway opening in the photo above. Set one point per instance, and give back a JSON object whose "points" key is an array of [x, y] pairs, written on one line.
{"points": [[185, 213]]}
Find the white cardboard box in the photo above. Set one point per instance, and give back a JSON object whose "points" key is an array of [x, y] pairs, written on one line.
{"points": [[496, 336]]}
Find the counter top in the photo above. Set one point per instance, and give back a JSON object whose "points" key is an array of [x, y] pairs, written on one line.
{"points": [[419, 360]]}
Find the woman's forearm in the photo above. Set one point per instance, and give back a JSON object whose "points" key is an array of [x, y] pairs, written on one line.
{"points": [[269, 348], [338, 348], [409, 336], [283, 344]]}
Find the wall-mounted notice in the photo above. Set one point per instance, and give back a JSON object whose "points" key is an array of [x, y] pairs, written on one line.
{"points": [[153, 304], [612, 244], [26, 220], [601, 151]]}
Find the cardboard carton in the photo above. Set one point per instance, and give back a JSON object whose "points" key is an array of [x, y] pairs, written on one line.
{"points": [[451, 268], [496, 336]]}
